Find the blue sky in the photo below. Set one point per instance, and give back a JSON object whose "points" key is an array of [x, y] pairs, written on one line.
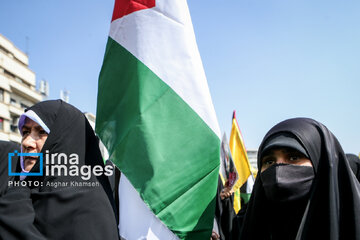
{"points": [[268, 60]]}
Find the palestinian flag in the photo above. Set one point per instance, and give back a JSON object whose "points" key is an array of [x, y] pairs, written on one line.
{"points": [[155, 116], [246, 189]]}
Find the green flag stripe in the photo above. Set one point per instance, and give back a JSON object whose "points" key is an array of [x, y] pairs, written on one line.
{"points": [[163, 147], [246, 197]]}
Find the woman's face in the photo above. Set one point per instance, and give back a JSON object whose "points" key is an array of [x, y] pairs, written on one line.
{"points": [[34, 137], [284, 155]]}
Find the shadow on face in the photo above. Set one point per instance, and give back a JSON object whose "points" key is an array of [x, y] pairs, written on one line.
{"points": [[284, 155], [33, 139]]}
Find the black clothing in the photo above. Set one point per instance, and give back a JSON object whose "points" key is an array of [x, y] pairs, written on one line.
{"points": [[354, 162], [78, 208], [333, 207], [5, 149], [17, 216], [238, 221], [224, 214], [16, 212]]}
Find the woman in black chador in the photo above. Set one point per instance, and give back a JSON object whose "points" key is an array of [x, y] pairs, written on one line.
{"points": [[63, 206], [305, 188]]}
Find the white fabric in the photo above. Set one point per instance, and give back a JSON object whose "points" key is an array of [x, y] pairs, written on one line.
{"points": [[136, 221], [215, 226], [250, 183], [33, 116], [163, 39]]}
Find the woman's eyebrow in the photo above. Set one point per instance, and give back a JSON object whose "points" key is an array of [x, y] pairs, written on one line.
{"points": [[293, 151], [38, 128], [271, 152], [25, 127], [267, 156]]}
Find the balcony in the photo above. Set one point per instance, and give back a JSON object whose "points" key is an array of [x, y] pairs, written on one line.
{"points": [[16, 110], [4, 113], [15, 67], [4, 83], [24, 91]]}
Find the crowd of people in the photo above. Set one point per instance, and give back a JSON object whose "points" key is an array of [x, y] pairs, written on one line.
{"points": [[306, 188]]}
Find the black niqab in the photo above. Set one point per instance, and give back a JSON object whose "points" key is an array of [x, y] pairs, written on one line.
{"points": [[332, 210]]}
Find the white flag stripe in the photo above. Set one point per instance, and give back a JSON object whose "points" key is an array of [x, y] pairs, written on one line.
{"points": [[136, 221], [250, 184], [158, 37]]}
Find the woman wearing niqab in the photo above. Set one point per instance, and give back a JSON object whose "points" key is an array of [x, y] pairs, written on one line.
{"points": [[302, 202], [66, 210]]}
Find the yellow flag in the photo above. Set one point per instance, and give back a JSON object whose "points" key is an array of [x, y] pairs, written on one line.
{"points": [[238, 152]]}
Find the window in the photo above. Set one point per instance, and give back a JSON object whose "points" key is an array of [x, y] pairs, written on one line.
{"points": [[1, 95], [12, 101], [1, 123], [13, 123], [9, 74], [18, 80], [24, 106]]}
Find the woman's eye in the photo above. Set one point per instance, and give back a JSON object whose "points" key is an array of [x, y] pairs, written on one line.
{"points": [[268, 161], [25, 132], [42, 132], [294, 158]]}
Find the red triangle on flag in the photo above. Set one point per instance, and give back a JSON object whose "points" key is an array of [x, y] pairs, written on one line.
{"points": [[125, 7]]}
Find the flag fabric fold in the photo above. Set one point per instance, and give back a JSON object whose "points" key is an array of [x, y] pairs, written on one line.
{"points": [[239, 154], [156, 118], [228, 172]]}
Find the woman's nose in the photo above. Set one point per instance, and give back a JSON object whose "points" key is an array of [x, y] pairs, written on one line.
{"points": [[281, 160], [29, 142]]}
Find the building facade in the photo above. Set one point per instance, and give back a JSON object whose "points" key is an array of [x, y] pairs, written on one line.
{"points": [[17, 89]]}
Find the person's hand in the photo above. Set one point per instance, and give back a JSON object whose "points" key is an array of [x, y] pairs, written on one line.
{"points": [[214, 236], [226, 193]]}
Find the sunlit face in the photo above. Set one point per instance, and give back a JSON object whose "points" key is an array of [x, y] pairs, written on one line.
{"points": [[34, 137], [284, 155]]}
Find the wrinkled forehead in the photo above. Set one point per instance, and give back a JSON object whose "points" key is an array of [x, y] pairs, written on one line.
{"points": [[30, 123], [31, 115]]}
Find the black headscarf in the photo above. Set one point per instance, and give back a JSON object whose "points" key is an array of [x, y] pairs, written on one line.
{"points": [[71, 212], [16, 212], [354, 164], [333, 207], [5, 149]]}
